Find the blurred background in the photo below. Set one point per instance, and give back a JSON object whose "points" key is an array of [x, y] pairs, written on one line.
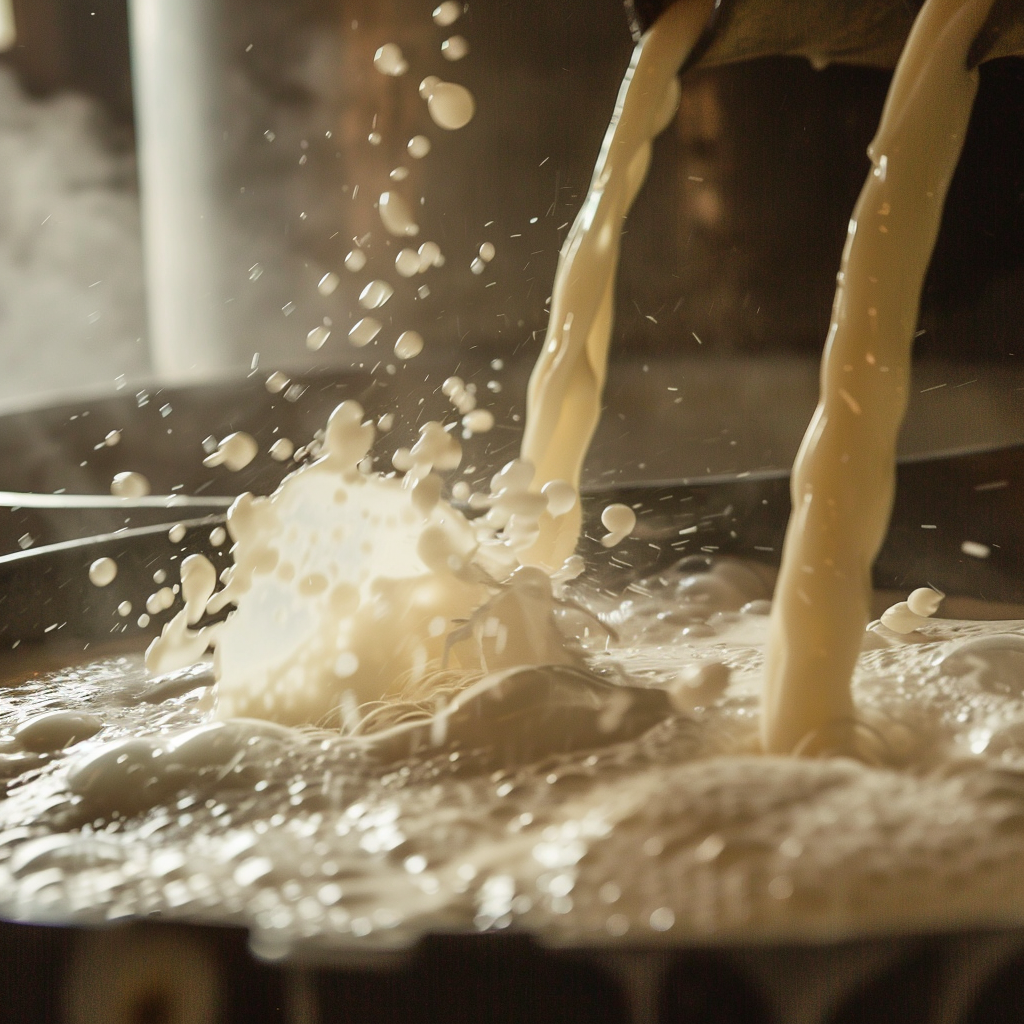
{"points": [[262, 136]]}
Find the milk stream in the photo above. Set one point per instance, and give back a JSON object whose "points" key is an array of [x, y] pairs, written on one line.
{"points": [[564, 398], [844, 475]]}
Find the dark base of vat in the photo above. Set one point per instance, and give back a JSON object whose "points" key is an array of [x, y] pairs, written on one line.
{"points": [[975, 978]]}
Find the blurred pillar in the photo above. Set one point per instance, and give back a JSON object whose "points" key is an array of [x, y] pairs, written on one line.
{"points": [[175, 57]]}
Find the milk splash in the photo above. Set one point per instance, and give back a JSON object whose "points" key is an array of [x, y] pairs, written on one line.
{"points": [[350, 586]]}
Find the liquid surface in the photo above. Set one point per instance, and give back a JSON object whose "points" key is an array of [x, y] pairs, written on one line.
{"points": [[622, 803]]}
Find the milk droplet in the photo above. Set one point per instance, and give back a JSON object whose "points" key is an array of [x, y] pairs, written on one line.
{"points": [[235, 452], [409, 345], [451, 106], [375, 294], [282, 450], [315, 338], [160, 601], [160, 577], [375, 138], [355, 260], [396, 215], [447, 13], [407, 263], [426, 87], [399, 174], [113, 438], [478, 421], [176, 534], [454, 48], [975, 549], [925, 601], [277, 382], [218, 535], [143, 620], [561, 496], [900, 618], [129, 485], [102, 572], [619, 520], [487, 252], [477, 266], [364, 331], [389, 60], [419, 147], [124, 609], [430, 254], [328, 283]]}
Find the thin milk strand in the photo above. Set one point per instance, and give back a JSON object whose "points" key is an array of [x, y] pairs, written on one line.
{"points": [[844, 474], [564, 399]]}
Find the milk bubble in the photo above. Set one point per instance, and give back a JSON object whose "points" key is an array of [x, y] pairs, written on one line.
{"points": [[389, 60], [129, 485], [561, 496], [451, 106], [619, 520], [282, 450], [454, 48], [901, 618], [407, 263], [409, 345], [924, 601], [235, 452], [396, 215], [430, 256], [419, 147], [355, 260], [102, 572], [375, 294], [364, 331], [316, 338], [447, 13], [328, 284], [478, 421]]}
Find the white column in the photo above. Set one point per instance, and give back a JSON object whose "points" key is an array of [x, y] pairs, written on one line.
{"points": [[174, 61], [8, 35]]}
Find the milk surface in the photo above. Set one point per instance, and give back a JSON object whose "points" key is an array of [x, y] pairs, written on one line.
{"points": [[625, 801]]}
